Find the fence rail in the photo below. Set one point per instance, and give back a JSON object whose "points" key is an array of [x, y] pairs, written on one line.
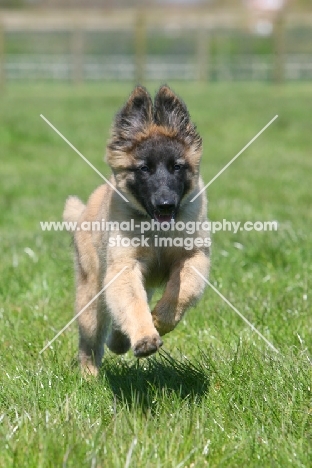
{"points": [[122, 67], [190, 44]]}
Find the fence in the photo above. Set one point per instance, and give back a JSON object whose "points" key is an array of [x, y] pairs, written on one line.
{"points": [[192, 44]]}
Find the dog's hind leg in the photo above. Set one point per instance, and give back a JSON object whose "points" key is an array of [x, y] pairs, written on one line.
{"points": [[94, 321]]}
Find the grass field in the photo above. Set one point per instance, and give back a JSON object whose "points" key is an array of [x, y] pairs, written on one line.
{"points": [[216, 395]]}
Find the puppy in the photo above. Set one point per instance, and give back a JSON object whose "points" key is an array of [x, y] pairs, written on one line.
{"points": [[154, 152]]}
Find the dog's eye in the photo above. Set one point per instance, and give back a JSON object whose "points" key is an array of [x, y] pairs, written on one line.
{"points": [[177, 167], [144, 168]]}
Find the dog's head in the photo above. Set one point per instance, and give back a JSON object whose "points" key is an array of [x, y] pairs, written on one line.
{"points": [[155, 152]]}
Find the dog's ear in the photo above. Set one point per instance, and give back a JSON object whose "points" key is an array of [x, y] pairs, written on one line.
{"points": [[132, 119], [171, 112]]}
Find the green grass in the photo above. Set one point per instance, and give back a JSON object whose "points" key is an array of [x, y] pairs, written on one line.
{"points": [[216, 395]]}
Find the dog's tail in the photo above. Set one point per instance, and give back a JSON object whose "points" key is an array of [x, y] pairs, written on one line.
{"points": [[73, 210]]}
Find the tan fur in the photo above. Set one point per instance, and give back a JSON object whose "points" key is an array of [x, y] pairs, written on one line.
{"points": [[121, 316], [73, 209]]}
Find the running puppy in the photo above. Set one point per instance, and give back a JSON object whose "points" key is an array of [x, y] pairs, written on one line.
{"points": [[154, 153]]}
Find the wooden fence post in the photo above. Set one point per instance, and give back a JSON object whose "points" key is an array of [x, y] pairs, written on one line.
{"points": [[77, 55], [2, 55], [279, 48], [140, 47], [202, 54]]}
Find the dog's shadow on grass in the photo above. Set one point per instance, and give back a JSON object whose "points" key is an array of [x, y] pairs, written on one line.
{"points": [[145, 381]]}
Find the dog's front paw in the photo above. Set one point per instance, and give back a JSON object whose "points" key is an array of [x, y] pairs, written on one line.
{"points": [[147, 345]]}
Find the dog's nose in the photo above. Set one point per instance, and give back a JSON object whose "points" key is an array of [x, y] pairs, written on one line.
{"points": [[165, 207]]}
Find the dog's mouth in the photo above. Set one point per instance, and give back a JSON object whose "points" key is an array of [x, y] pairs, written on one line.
{"points": [[163, 216]]}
